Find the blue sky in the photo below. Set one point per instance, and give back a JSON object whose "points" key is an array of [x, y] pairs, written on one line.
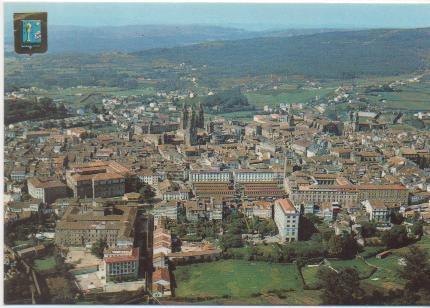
{"points": [[247, 16]]}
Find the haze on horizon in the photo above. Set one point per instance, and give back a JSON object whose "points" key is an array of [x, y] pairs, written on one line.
{"points": [[252, 16]]}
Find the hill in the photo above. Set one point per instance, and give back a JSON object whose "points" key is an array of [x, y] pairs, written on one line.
{"points": [[336, 55], [325, 55], [141, 37]]}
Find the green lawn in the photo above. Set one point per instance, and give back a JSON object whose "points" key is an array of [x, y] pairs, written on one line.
{"points": [[310, 274], [363, 269], [44, 264], [235, 278], [387, 275]]}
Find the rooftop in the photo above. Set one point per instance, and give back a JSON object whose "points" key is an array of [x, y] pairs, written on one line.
{"points": [[286, 205]]}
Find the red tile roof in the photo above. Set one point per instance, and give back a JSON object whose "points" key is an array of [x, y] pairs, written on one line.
{"points": [[286, 205], [161, 274]]}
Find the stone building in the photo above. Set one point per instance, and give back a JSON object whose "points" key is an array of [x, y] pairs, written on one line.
{"points": [[97, 179], [82, 226]]}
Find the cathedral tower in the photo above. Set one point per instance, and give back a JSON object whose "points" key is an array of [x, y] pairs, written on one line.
{"points": [[201, 117]]}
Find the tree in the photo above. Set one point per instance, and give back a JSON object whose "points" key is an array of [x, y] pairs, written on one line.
{"points": [[416, 271], [229, 240], [16, 288], [62, 110], [417, 228], [327, 233], [342, 288], [342, 246], [368, 229], [396, 218], [98, 247], [335, 246], [396, 237], [313, 218], [147, 192], [236, 224], [60, 265], [276, 255], [266, 227], [307, 226]]}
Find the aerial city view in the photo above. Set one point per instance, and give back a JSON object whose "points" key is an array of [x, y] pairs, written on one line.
{"points": [[216, 154]]}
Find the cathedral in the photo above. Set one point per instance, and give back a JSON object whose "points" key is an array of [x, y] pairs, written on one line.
{"points": [[192, 118]]}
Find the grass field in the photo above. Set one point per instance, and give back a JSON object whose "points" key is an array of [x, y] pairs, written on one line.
{"points": [[412, 97], [294, 96], [358, 264], [235, 278], [387, 275], [44, 264], [310, 273]]}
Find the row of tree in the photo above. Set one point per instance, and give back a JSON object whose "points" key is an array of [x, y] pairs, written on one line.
{"points": [[17, 110]]}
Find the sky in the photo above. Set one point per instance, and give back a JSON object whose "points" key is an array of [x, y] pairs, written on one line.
{"points": [[247, 16]]}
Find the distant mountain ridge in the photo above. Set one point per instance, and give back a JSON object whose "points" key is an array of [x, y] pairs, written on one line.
{"points": [[329, 54], [337, 55], [68, 39]]}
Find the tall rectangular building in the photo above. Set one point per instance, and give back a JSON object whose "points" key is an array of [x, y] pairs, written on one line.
{"points": [[287, 220]]}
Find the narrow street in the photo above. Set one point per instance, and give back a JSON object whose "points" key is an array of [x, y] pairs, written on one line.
{"points": [[143, 240]]}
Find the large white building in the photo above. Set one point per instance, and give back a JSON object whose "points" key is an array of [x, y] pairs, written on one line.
{"points": [[210, 176], [246, 176], [287, 220], [377, 210]]}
